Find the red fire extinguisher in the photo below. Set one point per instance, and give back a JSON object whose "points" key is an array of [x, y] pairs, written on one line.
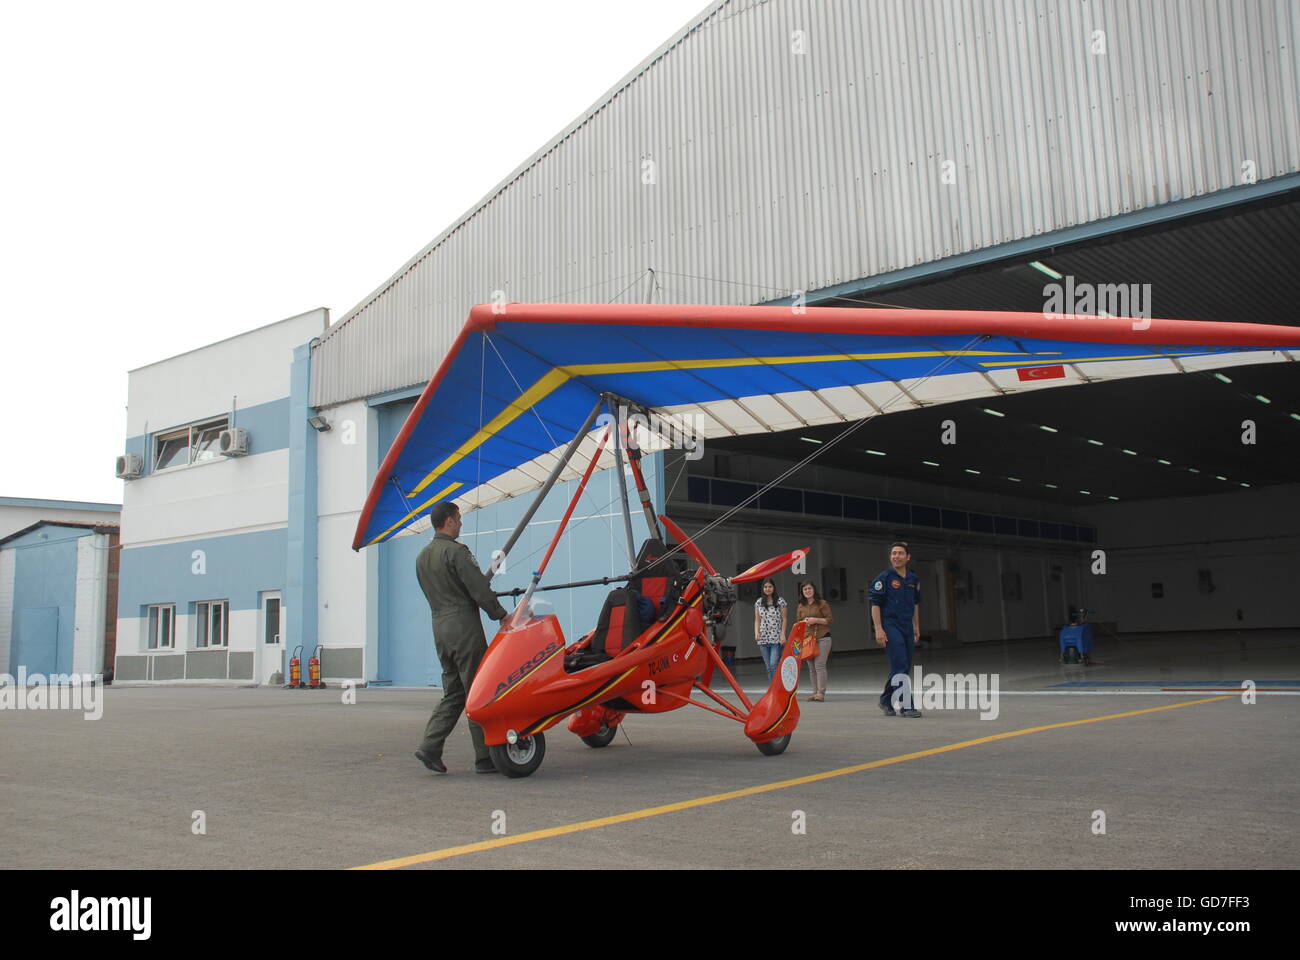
{"points": [[313, 670], [295, 669]]}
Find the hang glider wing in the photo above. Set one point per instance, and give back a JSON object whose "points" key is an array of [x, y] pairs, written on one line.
{"points": [[521, 379]]}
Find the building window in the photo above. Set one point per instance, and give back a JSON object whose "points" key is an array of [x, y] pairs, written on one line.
{"points": [[161, 620], [196, 443], [211, 624]]}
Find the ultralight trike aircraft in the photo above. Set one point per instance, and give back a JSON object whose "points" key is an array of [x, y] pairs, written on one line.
{"points": [[519, 375]]}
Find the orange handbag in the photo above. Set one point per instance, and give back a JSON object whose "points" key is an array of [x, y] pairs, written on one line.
{"points": [[805, 648]]}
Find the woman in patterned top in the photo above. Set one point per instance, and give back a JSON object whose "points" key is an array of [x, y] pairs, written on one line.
{"points": [[770, 625]]}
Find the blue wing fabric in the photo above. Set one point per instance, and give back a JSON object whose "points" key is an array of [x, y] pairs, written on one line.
{"points": [[517, 386]]}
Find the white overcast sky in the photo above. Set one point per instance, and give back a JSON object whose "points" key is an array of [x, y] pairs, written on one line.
{"points": [[175, 173]]}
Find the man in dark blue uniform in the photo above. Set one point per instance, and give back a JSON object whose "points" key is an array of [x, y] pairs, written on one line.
{"points": [[896, 616]]}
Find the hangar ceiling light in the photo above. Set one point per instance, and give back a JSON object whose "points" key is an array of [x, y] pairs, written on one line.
{"points": [[1048, 429], [1262, 399], [1097, 443], [1165, 462], [1224, 377], [809, 440], [1044, 268], [994, 413], [1131, 453], [929, 463], [877, 453]]}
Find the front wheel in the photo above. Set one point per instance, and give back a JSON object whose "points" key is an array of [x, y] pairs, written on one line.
{"points": [[601, 739], [520, 758], [772, 747]]}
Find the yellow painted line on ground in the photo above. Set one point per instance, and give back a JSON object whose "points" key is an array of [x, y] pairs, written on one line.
{"points": [[448, 852]]}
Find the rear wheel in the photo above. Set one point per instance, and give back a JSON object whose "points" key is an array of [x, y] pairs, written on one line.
{"points": [[520, 758], [772, 747], [603, 738]]}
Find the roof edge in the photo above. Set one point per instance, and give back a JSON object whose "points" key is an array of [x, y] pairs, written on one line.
{"points": [[92, 527]]}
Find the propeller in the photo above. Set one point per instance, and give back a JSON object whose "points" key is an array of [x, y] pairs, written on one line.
{"points": [[688, 544], [768, 567]]}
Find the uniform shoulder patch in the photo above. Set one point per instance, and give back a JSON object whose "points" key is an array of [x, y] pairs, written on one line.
{"points": [[878, 586]]}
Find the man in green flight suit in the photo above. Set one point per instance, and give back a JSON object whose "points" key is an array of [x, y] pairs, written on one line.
{"points": [[455, 588]]}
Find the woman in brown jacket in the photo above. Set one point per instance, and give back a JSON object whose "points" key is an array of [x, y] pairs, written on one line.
{"points": [[816, 613]]}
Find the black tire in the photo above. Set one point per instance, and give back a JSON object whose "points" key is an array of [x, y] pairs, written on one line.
{"points": [[521, 758], [771, 748], [602, 739]]}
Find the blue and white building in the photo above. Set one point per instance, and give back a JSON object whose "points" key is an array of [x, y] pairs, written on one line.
{"points": [[205, 533]]}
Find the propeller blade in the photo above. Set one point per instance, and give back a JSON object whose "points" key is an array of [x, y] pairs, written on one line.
{"points": [[768, 567], [688, 544]]}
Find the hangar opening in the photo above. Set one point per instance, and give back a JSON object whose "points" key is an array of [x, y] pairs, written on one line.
{"points": [[1162, 505]]}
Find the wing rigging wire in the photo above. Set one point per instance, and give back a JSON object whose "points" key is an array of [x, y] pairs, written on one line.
{"points": [[482, 383], [635, 281]]}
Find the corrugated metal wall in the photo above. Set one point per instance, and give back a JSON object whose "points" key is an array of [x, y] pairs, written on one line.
{"points": [[905, 132]]}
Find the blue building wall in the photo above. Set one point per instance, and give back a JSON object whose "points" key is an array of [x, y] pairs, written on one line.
{"points": [[267, 425], [236, 568], [592, 547], [45, 600]]}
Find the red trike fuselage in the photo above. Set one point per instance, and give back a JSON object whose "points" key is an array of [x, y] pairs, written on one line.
{"points": [[523, 686]]}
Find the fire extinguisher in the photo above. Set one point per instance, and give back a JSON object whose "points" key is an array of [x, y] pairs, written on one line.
{"points": [[295, 669], [313, 670]]}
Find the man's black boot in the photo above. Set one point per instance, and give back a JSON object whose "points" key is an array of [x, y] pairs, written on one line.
{"points": [[433, 763]]}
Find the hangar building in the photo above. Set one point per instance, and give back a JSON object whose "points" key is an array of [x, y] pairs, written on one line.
{"points": [[1136, 159]]}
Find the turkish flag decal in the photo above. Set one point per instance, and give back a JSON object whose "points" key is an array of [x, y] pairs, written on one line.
{"points": [[1041, 373]]}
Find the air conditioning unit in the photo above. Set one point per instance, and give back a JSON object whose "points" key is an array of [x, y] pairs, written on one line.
{"points": [[233, 442], [130, 466]]}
